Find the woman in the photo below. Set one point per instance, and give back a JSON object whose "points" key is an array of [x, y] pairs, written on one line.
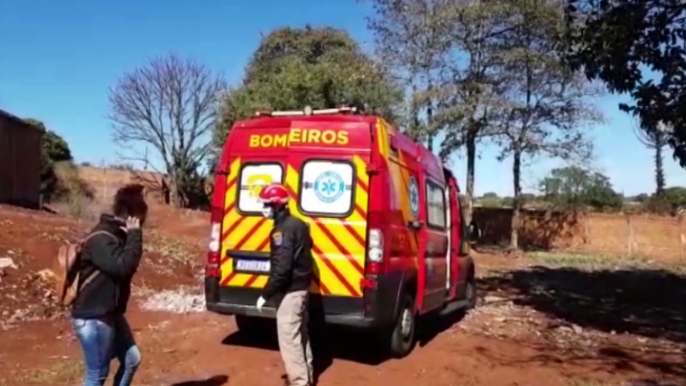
{"points": [[98, 311]]}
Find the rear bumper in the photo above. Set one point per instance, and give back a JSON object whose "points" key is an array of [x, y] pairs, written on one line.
{"points": [[374, 309], [355, 321]]}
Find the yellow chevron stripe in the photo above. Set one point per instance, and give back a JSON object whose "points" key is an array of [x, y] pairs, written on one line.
{"points": [[382, 137], [326, 276], [240, 231], [230, 196], [261, 234]]}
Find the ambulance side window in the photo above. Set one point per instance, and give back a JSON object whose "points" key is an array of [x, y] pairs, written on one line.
{"points": [[435, 200], [326, 188], [252, 178]]}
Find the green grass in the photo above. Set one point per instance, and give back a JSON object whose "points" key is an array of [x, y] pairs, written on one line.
{"points": [[599, 262]]}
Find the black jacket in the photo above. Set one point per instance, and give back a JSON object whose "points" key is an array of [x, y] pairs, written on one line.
{"points": [[291, 258], [117, 259]]}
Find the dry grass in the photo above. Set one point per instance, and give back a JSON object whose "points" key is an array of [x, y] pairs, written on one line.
{"points": [[61, 373], [589, 382], [169, 248], [79, 207]]}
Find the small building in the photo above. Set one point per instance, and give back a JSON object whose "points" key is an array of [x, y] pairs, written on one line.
{"points": [[20, 161]]}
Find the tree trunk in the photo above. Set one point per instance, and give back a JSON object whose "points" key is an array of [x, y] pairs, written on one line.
{"points": [[517, 203], [659, 169], [430, 129], [471, 157], [174, 190], [414, 115]]}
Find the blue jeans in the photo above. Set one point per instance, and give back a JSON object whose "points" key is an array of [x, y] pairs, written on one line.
{"points": [[103, 339]]}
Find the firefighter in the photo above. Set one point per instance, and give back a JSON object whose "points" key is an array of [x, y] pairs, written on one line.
{"points": [[287, 288]]}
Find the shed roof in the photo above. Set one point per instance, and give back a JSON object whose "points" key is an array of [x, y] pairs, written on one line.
{"points": [[4, 114]]}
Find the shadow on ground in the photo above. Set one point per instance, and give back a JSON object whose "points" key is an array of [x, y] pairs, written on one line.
{"points": [[649, 303], [331, 342], [217, 380]]}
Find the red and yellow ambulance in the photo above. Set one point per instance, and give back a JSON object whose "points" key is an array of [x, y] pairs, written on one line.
{"points": [[389, 240]]}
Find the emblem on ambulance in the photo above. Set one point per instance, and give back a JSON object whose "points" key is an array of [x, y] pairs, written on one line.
{"points": [[329, 187], [414, 196], [256, 182]]}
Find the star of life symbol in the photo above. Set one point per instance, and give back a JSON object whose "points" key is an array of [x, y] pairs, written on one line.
{"points": [[329, 187], [414, 196]]}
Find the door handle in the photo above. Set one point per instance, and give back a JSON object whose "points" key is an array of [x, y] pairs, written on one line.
{"points": [[416, 224]]}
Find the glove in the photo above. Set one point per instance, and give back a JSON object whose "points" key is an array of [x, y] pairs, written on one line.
{"points": [[260, 303]]}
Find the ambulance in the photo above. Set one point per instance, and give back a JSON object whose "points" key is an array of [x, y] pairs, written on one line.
{"points": [[389, 240]]}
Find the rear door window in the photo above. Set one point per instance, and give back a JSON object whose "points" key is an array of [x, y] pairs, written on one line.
{"points": [[436, 205], [253, 177], [327, 188]]}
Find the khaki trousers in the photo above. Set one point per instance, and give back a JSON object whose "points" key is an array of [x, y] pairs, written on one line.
{"points": [[294, 341]]}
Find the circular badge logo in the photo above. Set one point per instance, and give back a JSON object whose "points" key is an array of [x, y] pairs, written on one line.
{"points": [[414, 196], [329, 187]]}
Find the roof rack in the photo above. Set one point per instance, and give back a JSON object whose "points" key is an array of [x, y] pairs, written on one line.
{"points": [[306, 111]]}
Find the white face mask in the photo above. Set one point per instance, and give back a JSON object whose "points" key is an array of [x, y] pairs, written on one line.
{"points": [[268, 211]]}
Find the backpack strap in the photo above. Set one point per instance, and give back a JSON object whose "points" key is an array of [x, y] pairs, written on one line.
{"points": [[96, 272]]}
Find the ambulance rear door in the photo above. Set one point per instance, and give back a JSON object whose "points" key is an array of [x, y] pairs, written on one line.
{"points": [[327, 175]]}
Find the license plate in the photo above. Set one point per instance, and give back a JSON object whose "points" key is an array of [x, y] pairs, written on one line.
{"points": [[259, 266]]}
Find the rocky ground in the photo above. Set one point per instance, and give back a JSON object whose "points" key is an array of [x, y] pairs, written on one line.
{"points": [[543, 320]]}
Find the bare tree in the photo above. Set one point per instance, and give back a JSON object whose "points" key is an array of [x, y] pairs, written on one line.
{"points": [[546, 105], [655, 140], [170, 104]]}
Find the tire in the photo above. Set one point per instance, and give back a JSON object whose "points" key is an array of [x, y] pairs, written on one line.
{"points": [[250, 325], [470, 293], [402, 337]]}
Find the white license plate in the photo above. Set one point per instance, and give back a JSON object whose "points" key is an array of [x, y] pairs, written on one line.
{"points": [[261, 266]]}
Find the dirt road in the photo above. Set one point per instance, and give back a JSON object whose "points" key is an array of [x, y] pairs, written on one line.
{"points": [[520, 335]]}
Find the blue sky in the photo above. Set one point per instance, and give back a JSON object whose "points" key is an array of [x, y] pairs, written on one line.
{"points": [[61, 56]]}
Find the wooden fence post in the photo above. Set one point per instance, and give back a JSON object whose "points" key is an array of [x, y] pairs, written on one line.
{"points": [[682, 236], [587, 231], [630, 238]]}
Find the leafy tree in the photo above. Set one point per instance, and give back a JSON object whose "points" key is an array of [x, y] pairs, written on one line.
{"points": [[676, 197], [671, 201], [636, 47], [413, 37], [545, 105], [296, 67], [642, 198], [526, 197], [54, 149], [473, 83], [490, 195], [575, 188], [655, 140], [170, 104], [446, 52]]}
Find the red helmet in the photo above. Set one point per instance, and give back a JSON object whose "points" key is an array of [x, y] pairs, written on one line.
{"points": [[274, 194]]}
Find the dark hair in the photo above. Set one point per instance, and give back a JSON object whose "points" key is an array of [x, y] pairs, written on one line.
{"points": [[129, 201]]}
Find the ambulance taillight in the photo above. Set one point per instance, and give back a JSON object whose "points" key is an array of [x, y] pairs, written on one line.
{"points": [[214, 250], [375, 251]]}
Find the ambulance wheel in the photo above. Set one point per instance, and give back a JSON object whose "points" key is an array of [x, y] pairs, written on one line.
{"points": [[470, 293], [403, 335], [250, 325]]}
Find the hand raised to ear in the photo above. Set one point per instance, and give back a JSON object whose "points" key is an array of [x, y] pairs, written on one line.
{"points": [[133, 223]]}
